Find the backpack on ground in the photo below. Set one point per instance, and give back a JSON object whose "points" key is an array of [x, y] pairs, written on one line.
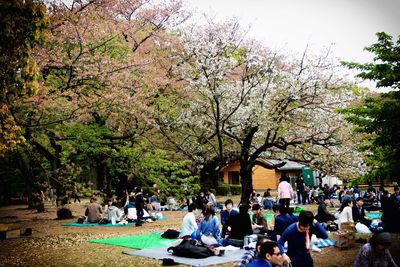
{"points": [[188, 248]]}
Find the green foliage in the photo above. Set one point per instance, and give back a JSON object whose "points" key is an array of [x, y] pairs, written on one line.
{"points": [[236, 189], [22, 25], [379, 116], [385, 69], [152, 166], [223, 189]]}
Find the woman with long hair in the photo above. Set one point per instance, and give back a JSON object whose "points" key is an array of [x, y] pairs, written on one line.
{"points": [[345, 212]]}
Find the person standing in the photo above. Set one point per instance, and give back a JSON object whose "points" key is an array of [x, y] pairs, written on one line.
{"points": [[139, 203], [285, 192], [300, 191]]}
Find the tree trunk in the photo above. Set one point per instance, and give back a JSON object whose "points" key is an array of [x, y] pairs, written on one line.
{"points": [[246, 180], [209, 174]]}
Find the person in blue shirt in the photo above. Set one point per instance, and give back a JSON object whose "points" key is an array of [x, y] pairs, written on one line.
{"points": [[268, 256], [226, 214], [208, 231], [298, 235], [283, 220]]}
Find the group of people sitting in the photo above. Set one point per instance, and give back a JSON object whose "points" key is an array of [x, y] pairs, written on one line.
{"points": [[132, 211], [237, 226], [249, 222], [354, 211]]}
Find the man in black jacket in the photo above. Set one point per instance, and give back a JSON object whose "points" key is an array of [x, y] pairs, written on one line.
{"points": [[359, 213]]}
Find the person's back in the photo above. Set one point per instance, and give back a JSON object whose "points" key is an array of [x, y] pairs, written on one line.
{"points": [[240, 224], [323, 214], [94, 211], [114, 212]]}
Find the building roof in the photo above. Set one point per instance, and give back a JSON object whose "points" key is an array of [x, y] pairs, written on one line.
{"points": [[290, 165]]}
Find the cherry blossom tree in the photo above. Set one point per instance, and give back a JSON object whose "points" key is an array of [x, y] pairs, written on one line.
{"points": [[258, 101], [99, 73]]}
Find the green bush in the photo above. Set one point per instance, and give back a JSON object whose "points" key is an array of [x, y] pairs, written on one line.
{"points": [[223, 190], [236, 189]]}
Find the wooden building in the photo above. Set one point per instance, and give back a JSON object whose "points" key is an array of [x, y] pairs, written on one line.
{"points": [[264, 178]]}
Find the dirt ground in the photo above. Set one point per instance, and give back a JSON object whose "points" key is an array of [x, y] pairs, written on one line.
{"points": [[53, 244]]}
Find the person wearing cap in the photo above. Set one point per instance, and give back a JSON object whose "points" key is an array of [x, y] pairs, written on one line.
{"points": [[376, 252], [259, 222]]}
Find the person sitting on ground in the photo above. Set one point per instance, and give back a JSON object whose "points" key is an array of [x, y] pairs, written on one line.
{"points": [[239, 226], [259, 222], [298, 235], [323, 214], [114, 214], [107, 203], [344, 214], [358, 212], [376, 252], [189, 225], [212, 200], [370, 201], [226, 214], [94, 212], [130, 209], [268, 201], [253, 198], [282, 221], [208, 231], [268, 256], [313, 195], [252, 253], [391, 215]]}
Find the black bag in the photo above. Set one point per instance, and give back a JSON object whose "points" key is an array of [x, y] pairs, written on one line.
{"points": [[188, 248], [170, 234]]}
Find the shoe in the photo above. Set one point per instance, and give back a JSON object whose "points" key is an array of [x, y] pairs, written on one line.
{"points": [[138, 224]]}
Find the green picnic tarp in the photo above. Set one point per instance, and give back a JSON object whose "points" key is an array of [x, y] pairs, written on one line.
{"points": [[374, 215], [153, 240]]}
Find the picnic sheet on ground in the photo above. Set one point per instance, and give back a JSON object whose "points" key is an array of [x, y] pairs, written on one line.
{"points": [[153, 240], [325, 243], [374, 215], [161, 253], [107, 224]]}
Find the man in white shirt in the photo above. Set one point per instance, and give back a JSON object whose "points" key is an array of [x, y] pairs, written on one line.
{"points": [[189, 224]]}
